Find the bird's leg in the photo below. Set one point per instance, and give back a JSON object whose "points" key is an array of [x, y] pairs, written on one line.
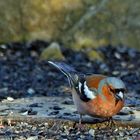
{"points": [[80, 119], [111, 122], [79, 125]]}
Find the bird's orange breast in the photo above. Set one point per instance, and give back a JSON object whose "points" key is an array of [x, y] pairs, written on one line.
{"points": [[104, 108]]}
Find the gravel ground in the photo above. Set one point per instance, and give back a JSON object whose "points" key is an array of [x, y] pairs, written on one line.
{"points": [[56, 119], [64, 130], [23, 75]]}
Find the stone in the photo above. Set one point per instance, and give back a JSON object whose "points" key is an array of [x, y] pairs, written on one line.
{"points": [[94, 55], [92, 132], [34, 105], [135, 130], [115, 72], [32, 138], [117, 55], [31, 91], [10, 99], [104, 67], [52, 52]]}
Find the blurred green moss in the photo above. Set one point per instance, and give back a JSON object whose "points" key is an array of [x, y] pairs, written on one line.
{"points": [[70, 21]]}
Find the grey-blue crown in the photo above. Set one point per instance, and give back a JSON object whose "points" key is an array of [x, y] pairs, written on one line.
{"points": [[115, 82]]}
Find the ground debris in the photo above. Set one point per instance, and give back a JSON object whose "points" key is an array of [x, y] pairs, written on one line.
{"points": [[31, 94], [59, 129]]}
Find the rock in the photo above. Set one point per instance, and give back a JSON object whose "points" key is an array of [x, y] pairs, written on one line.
{"points": [[67, 102], [123, 64], [24, 113], [124, 117], [29, 111], [54, 112], [92, 132], [10, 99], [121, 134], [32, 112], [57, 108], [66, 114], [115, 73], [52, 52], [132, 53], [125, 112], [94, 55], [117, 55], [33, 138], [34, 105], [104, 67], [134, 130], [34, 54], [3, 46], [31, 91], [4, 113]]}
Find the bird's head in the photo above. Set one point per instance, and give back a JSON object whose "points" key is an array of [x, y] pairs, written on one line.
{"points": [[115, 87]]}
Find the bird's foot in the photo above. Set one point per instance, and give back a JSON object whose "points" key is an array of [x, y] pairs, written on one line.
{"points": [[79, 126], [110, 123]]}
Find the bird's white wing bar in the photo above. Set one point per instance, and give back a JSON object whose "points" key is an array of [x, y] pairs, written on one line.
{"points": [[88, 93], [79, 86]]}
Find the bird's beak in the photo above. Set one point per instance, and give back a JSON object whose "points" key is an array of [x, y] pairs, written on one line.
{"points": [[119, 95]]}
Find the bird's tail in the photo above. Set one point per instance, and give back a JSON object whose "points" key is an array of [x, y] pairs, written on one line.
{"points": [[67, 70]]}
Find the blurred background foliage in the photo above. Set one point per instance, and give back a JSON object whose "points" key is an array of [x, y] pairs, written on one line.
{"points": [[76, 23]]}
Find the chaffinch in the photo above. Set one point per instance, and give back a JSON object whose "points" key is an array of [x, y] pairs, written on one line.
{"points": [[94, 95]]}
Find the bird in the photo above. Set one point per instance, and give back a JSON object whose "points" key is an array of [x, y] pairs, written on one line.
{"points": [[95, 95]]}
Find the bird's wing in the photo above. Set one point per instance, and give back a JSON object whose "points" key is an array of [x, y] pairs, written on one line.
{"points": [[87, 87]]}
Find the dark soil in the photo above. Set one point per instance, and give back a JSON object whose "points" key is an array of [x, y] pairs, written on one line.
{"points": [[23, 74], [63, 130]]}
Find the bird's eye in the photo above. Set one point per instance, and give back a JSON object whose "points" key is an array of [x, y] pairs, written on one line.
{"points": [[111, 90], [118, 90]]}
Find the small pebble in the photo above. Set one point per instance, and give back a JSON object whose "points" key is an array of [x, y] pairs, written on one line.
{"points": [[104, 67], [68, 102], [4, 113], [57, 108], [32, 112], [24, 113], [54, 112], [66, 113], [123, 64], [121, 134], [33, 138], [10, 99], [92, 132], [134, 130], [117, 55], [138, 108], [115, 72], [34, 105], [31, 91], [3, 46]]}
